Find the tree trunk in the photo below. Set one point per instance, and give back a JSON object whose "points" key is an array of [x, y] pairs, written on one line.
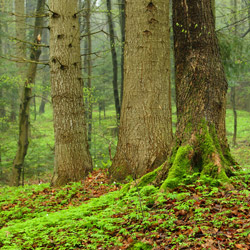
{"points": [[114, 60], [46, 74], [20, 50], [43, 102], [201, 145], [20, 30], [72, 158], [24, 111], [88, 47], [145, 132], [122, 27], [2, 104], [233, 89], [233, 101]]}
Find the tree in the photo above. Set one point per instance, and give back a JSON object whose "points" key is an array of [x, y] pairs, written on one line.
{"points": [[200, 145], [145, 132], [24, 112], [20, 50], [72, 158], [122, 27], [88, 67], [114, 59]]}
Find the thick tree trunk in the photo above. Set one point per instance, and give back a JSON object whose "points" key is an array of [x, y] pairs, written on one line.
{"points": [[24, 111], [122, 27], [114, 60], [72, 158], [145, 132], [201, 144]]}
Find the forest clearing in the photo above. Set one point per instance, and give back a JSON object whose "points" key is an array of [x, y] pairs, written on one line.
{"points": [[124, 124]]}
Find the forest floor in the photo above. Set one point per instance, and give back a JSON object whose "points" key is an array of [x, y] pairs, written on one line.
{"points": [[98, 215]]}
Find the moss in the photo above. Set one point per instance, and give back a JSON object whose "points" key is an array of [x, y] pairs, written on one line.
{"points": [[149, 177], [206, 142], [125, 189], [212, 170], [140, 246], [180, 167]]}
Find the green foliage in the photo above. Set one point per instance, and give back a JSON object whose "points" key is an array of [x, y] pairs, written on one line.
{"points": [[188, 216]]}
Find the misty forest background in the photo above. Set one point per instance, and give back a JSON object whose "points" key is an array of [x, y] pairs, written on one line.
{"points": [[102, 124]]}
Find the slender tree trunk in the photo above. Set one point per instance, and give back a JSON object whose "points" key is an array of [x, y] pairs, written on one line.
{"points": [[2, 105], [114, 60], [72, 158], [89, 68], [43, 102], [20, 50], [24, 111], [233, 89], [201, 145], [145, 132], [46, 73], [20, 29], [122, 27], [233, 101]]}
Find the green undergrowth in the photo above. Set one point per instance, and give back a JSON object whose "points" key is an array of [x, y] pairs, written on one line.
{"points": [[195, 216], [242, 149]]}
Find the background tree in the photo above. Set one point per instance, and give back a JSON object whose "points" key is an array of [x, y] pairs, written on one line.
{"points": [[122, 27], [114, 59], [200, 145], [145, 132], [72, 158], [24, 112]]}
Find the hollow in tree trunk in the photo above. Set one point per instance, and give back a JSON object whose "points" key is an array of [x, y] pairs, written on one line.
{"points": [[201, 145]]}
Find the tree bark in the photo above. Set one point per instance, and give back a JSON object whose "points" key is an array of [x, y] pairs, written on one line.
{"points": [[24, 111], [145, 132], [114, 60], [201, 145], [72, 158], [122, 27]]}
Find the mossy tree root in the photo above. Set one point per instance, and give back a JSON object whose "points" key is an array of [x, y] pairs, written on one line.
{"points": [[202, 154]]}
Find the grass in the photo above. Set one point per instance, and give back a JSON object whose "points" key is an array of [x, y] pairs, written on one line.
{"points": [[242, 149]]}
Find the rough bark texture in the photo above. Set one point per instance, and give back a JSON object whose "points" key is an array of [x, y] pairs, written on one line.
{"points": [[114, 60], [145, 132], [24, 111], [72, 158], [201, 87]]}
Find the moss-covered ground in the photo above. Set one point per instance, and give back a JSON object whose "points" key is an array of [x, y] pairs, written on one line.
{"points": [[97, 215]]}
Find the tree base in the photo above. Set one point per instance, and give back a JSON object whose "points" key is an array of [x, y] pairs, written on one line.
{"points": [[202, 155]]}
